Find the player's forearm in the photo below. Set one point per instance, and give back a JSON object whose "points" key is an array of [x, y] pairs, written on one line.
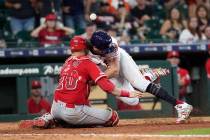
{"points": [[121, 93], [109, 87], [35, 33]]}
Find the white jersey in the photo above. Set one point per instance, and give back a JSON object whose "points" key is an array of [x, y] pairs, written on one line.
{"points": [[129, 75]]}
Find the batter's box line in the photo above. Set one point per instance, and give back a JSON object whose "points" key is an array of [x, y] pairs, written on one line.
{"points": [[112, 135]]}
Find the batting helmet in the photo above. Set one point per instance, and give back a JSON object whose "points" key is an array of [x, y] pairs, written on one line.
{"points": [[102, 41], [78, 43]]}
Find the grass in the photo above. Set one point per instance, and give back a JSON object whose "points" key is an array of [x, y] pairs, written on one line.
{"points": [[196, 131]]}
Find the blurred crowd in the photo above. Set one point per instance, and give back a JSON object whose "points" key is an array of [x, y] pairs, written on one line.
{"points": [[130, 21]]}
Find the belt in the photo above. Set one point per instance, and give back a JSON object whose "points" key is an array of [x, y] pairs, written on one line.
{"points": [[65, 104]]}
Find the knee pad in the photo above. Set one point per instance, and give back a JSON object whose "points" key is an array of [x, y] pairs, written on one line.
{"points": [[113, 121]]}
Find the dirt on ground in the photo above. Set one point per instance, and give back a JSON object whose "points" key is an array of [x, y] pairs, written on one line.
{"points": [[144, 129]]}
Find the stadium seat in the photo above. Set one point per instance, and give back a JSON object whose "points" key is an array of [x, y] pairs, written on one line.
{"points": [[184, 10], [24, 39], [24, 35], [79, 31], [159, 11]]}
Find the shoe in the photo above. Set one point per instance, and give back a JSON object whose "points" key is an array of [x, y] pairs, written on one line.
{"points": [[47, 117], [183, 111]]}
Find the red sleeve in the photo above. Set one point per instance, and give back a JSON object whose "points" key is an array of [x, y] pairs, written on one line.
{"points": [[41, 33], [208, 68], [94, 71], [186, 78], [106, 84], [62, 33], [45, 105]]}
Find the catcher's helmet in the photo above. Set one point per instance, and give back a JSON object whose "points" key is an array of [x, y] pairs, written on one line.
{"points": [[78, 43], [102, 41]]}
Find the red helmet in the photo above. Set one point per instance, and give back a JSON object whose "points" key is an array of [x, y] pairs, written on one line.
{"points": [[173, 54], [78, 43], [51, 16]]}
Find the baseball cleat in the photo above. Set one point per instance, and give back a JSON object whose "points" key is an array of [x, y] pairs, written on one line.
{"points": [[39, 123], [183, 111], [47, 117]]}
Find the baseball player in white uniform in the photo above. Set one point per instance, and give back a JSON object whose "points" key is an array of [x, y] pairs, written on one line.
{"points": [[124, 72]]}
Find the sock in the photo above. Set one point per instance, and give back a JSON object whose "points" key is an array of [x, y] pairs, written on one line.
{"points": [[161, 93]]}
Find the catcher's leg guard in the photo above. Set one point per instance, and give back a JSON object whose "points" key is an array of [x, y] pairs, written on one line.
{"points": [[113, 121], [31, 123], [45, 121]]}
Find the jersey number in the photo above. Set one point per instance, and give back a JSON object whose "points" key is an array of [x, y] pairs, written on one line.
{"points": [[68, 82]]}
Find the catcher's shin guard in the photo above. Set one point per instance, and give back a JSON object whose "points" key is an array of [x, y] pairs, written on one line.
{"points": [[32, 123], [45, 121], [113, 121]]}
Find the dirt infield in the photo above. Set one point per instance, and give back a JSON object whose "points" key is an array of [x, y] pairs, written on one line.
{"points": [[144, 129]]}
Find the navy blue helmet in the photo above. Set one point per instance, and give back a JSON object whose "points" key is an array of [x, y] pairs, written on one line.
{"points": [[102, 41]]}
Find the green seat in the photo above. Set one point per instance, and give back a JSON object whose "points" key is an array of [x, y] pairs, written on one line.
{"points": [[135, 41], [24, 39], [183, 9], [24, 35], [160, 12], [79, 31]]}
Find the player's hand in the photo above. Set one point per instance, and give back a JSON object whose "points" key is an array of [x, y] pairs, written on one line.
{"points": [[17, 6], [59, 25], [136, 94]]}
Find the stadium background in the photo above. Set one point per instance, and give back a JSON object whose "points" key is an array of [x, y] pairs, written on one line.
{"points": [[24, 59]]}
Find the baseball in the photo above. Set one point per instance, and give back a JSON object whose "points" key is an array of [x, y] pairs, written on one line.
{"points": [[93, 16]]}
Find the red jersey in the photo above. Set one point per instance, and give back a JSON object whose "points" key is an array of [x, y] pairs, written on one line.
{"points": [[208, 67], [73, 87], [47, 37], [34, 108], [183, 74]]}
